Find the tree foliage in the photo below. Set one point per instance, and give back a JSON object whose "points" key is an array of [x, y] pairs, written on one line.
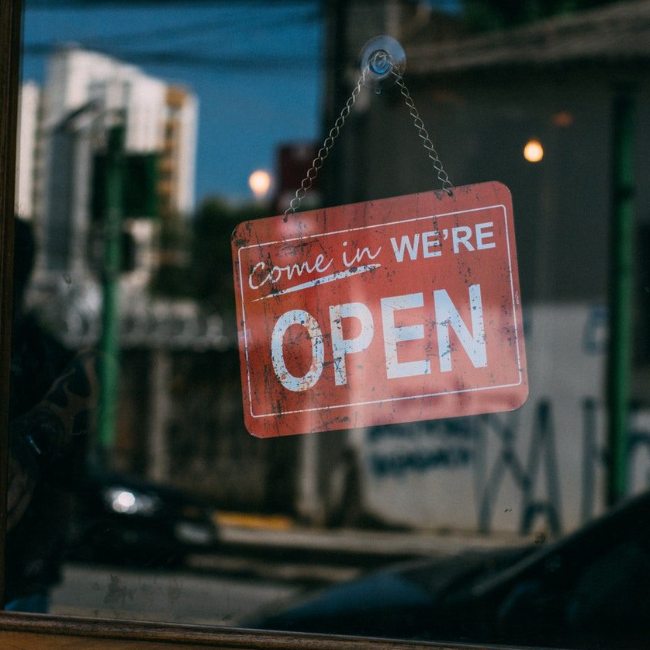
{"points": [[212, 271], [171, 279]]}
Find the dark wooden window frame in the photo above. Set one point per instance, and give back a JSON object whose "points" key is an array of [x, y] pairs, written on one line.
{"points": [[24, 631]]}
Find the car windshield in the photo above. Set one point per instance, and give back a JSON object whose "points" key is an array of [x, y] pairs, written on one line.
{"points": [[332, 317]]}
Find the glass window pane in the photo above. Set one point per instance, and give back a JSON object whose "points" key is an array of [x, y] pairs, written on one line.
{"points": [[404, 489]]}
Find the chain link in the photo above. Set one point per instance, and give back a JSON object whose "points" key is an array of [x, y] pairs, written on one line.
{"points": [[324, 151], [422, 132]]}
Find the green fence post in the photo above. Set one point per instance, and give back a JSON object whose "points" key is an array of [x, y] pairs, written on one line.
{"points": [[620, 295]]}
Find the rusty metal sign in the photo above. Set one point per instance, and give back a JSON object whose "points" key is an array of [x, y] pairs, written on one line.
{"points": [[394, 310]]}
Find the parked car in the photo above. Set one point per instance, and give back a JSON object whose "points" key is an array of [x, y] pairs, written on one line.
{"points": [[589, 589], [126, 520]]}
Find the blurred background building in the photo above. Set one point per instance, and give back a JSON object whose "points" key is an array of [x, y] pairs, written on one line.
{"points": [[536, 106], [533, 106], [62, 190], [86, 92]]}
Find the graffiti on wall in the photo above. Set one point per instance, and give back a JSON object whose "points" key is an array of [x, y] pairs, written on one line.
{"points": [[534, 469]]}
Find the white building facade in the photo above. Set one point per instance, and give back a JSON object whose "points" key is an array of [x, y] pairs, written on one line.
{"points": [[85, 92], [63, 129], [29, 125]]}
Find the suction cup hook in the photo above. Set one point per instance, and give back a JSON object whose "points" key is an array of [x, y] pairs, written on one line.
{"points": [[380, 56]]}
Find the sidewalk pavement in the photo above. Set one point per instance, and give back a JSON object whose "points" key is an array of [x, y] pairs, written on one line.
{"points": [[282, 533]]}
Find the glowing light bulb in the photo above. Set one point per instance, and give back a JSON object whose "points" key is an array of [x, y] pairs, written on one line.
{"points": [[533, 151], [260, 183]]}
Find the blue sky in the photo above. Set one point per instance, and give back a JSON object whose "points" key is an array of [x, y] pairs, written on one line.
{"points": [[246, 109]]}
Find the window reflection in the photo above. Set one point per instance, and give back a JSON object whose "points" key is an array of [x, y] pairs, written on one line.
{"points": [[140, 129]]}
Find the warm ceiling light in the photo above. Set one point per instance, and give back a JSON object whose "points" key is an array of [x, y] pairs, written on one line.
{"points": [[533, 151]]}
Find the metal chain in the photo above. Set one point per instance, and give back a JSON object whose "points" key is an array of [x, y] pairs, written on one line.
{"points": [[324, 151], [422, 132]]}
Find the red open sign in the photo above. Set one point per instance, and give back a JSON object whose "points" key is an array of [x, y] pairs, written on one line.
{"points": [[393, 310]]}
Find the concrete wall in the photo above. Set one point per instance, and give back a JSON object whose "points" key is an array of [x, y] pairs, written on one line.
{"points": [[538, 468]]}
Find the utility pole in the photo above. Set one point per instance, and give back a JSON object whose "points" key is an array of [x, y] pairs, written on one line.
{"points": [[620, 294], [109, 344]]}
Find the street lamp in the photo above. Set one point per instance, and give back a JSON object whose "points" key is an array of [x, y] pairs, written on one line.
{"points": [[260, 183]]}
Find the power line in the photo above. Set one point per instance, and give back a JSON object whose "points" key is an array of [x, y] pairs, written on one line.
{"points": [[192, 29], [97, 4], [109, 44], [192, 59], [445, 5]]}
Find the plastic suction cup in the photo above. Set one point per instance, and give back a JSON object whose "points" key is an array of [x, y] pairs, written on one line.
{"points": [[381, 56]]}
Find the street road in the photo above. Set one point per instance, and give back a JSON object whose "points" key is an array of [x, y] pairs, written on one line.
{"points": [[253, 570], [170, 596]]}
